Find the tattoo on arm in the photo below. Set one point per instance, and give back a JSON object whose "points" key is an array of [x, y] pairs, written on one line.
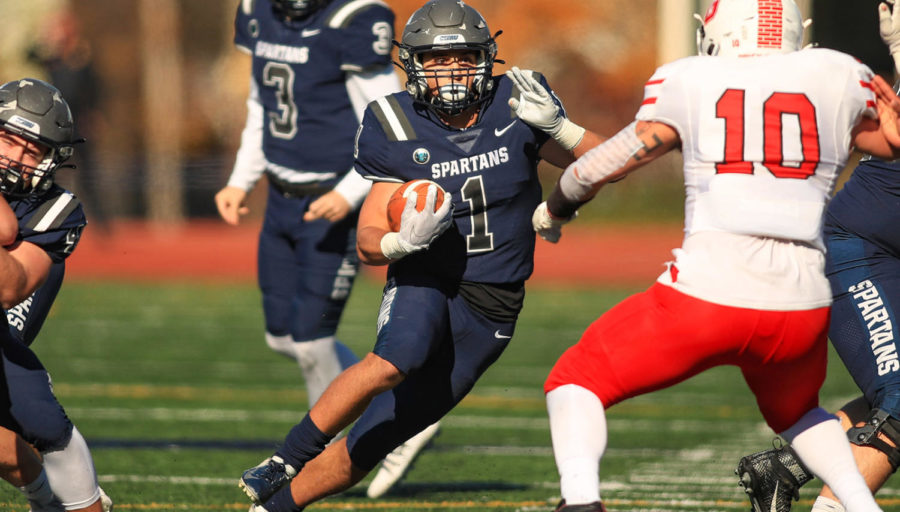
{"points": [[647, 149]]}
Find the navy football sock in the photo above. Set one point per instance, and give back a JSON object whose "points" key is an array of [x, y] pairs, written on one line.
{"points": [[303, 443], [282, 501]]}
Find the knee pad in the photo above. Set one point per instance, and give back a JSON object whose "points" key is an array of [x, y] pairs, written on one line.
{"points": [[879, 421], [71, 473]]}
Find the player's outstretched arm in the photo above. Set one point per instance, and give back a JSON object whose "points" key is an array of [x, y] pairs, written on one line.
{"points": [[634, 146]]}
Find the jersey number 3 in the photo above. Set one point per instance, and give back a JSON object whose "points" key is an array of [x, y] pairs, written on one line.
{"points": [[730, 107]]}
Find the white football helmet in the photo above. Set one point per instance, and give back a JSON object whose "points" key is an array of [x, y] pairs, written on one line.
{"points": [[743, 28]]}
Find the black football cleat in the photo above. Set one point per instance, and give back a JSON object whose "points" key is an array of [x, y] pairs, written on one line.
{"points": [[772, 479]]}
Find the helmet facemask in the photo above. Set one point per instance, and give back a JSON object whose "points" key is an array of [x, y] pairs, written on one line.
{"points": [[460, 88], [448, 26], [36, 112], [295, 10], [18, 179]]}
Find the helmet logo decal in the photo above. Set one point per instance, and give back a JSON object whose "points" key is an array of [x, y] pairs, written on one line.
{"points": [[449, 39], [771, 13], [24, 124], [421, 156]]}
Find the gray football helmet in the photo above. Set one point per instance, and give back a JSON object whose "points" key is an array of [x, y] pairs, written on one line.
{"points": [[448, 25], [297, 9], [36, 111]]}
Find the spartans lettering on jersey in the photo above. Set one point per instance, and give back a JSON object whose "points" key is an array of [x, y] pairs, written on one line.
{"points": [[878, 321], [281, 52], [470, 164], [17, 315]]}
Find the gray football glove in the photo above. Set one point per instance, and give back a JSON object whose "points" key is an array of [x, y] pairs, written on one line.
{"points": [[536, 107], [418, 229]]}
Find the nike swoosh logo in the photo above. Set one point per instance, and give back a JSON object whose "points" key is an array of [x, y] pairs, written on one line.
{"points": [[499, 133], [310, 32], [774, 498], [501, 336]]}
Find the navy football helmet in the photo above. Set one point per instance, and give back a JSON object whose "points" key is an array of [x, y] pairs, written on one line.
{"points": [[442, 25], [297, 9], [35, 111]]}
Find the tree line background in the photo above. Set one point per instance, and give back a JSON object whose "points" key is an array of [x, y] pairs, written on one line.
{"points": [[168, 99]]}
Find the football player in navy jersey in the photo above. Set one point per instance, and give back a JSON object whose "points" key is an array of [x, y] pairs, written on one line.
{"points": [[456, 275], [36, 137], [863, 268], [316, 64]]}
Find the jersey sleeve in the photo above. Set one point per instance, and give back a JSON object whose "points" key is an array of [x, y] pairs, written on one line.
{"points": [[55, 225], [859, 88], [243, 22], [664, 99], [367, 34], [372, 154]]}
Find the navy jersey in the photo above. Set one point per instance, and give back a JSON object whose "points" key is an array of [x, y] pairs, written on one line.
{"points": [[869, 204], [300, 70], [53, 221], [489, 168]]}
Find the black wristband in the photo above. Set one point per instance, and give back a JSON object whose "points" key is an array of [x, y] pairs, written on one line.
{"points": [[559, 206]]}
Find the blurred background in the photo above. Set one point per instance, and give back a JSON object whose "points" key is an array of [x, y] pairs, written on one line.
{"points": [[158, 88]]}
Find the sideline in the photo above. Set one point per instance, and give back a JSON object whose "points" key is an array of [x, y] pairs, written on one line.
{"points": [[209, 250]]}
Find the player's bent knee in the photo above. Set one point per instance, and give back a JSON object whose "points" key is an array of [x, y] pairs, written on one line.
{"points": [[44, 425], [383, 374], [880, 431]]}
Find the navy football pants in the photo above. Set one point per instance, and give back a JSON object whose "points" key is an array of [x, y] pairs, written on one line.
{"points": [[27, 404], [305, 269], [865, 281], [441, 344]]}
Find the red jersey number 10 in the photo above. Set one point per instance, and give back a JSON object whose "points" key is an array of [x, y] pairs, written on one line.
{"points": [[730, 107]]}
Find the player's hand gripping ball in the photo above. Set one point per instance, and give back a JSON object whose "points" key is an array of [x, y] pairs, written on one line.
{"points": [[397, 202]]}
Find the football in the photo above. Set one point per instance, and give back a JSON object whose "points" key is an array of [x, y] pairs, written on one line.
{"points": [[397, 202]]}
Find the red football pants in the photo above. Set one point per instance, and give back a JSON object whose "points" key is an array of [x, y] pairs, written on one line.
{"points": [[661, 337]]}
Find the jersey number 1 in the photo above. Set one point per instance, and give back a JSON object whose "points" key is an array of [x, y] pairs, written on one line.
{"points": [[730, 107]]}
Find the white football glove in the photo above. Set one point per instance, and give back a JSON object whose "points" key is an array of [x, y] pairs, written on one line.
{"points": [[418, 228], [889, 28], [548, 227], [536, 107]]}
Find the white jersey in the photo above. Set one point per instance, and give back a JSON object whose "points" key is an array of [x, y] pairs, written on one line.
{"points": [[763, 141]]}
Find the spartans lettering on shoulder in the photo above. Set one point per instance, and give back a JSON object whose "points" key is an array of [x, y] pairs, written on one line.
{"points": [[470, 164], [878, 322]]}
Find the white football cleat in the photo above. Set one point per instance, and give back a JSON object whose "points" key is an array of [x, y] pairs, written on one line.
{"points": [[399, 461]]}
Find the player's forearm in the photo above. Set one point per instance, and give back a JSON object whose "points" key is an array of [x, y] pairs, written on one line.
{"points": [[368, 245], [250, 161], [9, 224], [13, 280]]}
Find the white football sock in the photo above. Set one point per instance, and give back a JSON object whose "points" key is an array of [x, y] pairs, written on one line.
{"points": [[578, 432], [71, 474], [825, 451], [320, 363], [824, 504], [39, 490], [281, 344]]}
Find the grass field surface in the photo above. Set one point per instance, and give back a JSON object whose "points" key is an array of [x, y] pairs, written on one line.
{"points": [[177, 393]]}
